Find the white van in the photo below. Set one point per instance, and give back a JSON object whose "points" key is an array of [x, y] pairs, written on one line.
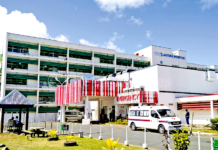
{"points": [[159, 118], [71, 115]]}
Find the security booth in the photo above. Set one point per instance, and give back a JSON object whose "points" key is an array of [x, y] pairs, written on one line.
{"points": [[15, 100]]}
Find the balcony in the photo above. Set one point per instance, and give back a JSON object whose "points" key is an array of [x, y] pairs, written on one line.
{"points": [[15, 86]]}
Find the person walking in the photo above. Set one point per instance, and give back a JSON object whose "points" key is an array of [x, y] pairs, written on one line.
{"points": [[187, 117]]}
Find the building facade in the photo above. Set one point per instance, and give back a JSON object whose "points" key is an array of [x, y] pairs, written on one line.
{"points": [[30, 65]]}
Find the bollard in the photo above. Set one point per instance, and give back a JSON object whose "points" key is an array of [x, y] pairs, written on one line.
{"points": [[72, 129], [211, 143], [100, 137], [145, 144], [80, 135], [112, 133], [57, 126], [90, 135], [38, 122], [45, 124], [199, 142], [168, 135], [31, 123], [51, 125], [126, 142]]}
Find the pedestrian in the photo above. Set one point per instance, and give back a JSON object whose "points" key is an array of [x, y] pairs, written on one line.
{"points": [[187, 117]]}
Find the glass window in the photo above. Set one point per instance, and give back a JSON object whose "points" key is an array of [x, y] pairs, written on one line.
{"points": [[15, 49], [141, 113], [166, 113], [154, 114], [132, 113], [10, 49], [146, 113]]}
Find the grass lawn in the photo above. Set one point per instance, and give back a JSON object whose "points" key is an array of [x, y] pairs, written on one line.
{"points": [[202, 130], [20, 142]]}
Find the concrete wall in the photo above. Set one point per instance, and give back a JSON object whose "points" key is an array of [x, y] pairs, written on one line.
{"points": [[32, 99], [32, 83], [33, 52], [185, 80], [32, 67]]}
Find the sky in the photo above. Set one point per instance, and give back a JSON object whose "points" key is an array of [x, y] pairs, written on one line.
{"points": [[123, 25]]}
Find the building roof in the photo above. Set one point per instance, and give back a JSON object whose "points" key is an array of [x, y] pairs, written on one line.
{"points": [[15, 98], [197, 98]]}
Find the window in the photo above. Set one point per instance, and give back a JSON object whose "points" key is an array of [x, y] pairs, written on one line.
{"points": [[17, 65], [141, 113], [146, 113], [18, 50], [154, 114], [46, 99], [132, 113], [16, 81]]}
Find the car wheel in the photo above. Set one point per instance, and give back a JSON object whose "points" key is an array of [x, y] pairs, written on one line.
{"points": [[161, 129], [133, 127]]}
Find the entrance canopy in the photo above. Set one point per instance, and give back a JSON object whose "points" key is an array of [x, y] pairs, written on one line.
{"points": [[15, 100], [73, 92]]}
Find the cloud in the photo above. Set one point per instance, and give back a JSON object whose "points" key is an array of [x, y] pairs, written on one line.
{"points": [[166, 3], [136, 21], [117, 6], [85, 42], [148, 34], [207, 4], [104, 19], [109, 44], [25, 24], [139, 45]]}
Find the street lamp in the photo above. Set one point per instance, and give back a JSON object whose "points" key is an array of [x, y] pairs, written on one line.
{"points": [[56, 78]]}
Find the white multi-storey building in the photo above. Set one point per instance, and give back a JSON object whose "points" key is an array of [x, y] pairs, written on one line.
{"points": [[30, 65]]}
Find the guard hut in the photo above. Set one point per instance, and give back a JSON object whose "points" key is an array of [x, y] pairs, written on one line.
{"points": [[15, 100]]}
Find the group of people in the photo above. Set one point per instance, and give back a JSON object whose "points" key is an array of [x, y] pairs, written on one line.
{"points": [[17, 124]]}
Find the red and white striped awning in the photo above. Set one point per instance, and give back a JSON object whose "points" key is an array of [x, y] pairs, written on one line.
{"points": [[73, 92]]}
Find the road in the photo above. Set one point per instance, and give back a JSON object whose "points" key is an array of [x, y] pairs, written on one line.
{"points": [[134, 137]]}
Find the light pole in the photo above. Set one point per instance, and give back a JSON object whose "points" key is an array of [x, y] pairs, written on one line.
{"points": [[56, 78]]}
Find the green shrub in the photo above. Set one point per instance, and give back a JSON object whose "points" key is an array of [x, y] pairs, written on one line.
{"points": [[181, 140], [214, 121]]}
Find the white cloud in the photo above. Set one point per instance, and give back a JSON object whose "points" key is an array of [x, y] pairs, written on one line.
{"points": [[85, 42], [23, 23], [207, 4], [136, 21], [117, 6], [104, 19], [109, 44], [166, 3], [139, 45], [148, 34]]}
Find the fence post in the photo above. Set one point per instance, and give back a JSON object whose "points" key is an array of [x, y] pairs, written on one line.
{"points": [[45, 124], [112, 133], [211, 142], [51, 125], [126, 142], [145, 144], [90, 135], [72, 129], [31, 123], [168, 135], [57, 126], [100, 137], [199, 140], [38, 122]]}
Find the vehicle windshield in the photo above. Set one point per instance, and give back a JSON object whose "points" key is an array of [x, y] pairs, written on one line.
{"points": [[166, 113]]}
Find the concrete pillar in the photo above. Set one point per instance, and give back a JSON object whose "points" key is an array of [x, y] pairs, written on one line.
{"points": [[37, 113], [68, 56], [115, 63], [87, 108], [93, 62], [116, 108], [132, 64], [4, 67], [212, 109], [63, 113]]}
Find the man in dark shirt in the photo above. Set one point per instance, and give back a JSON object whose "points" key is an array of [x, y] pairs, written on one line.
{"points": [[187, 116]]}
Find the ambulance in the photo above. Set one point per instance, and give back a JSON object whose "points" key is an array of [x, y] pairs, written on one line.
{"points": [[159, 118]]}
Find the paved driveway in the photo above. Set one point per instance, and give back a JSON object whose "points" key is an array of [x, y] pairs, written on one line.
{"points": [[134, 137]]}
